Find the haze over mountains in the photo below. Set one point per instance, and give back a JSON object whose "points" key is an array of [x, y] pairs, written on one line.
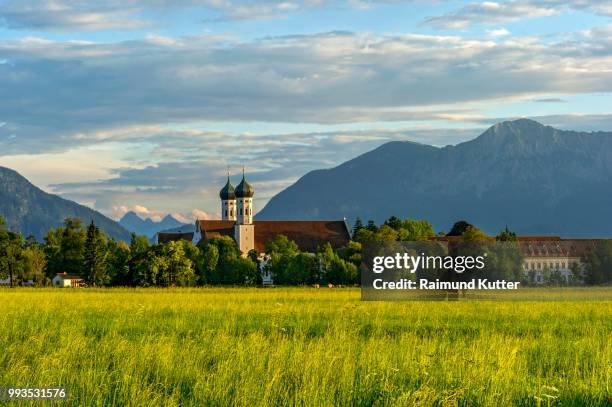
{"points": [[534, 178], [31, 211], [148, 227]]}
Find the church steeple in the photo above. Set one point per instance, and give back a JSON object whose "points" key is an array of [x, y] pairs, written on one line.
{"points": [[228, 200], [244, 196], [244, 189]]}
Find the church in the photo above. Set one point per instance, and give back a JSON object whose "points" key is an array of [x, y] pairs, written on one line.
{"points": [[237, 221]]}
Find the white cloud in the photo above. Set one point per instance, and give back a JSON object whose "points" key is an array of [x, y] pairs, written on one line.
{"points": [[199, 214], [512, 10], [500, 32], [65, 93], [118, 211], [65, 14]]}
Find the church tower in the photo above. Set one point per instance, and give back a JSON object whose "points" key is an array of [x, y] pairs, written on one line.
{"points": [[244, 230], [244, 195], [228, 201]]}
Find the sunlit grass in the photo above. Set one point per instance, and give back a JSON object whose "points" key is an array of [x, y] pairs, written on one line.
{"points": [[305, 347]]}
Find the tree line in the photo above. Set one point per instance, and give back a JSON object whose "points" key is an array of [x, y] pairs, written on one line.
{"points": [[87, 251], [505, 261]]}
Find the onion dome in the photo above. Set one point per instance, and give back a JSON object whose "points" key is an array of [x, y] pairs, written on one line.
{"points": [[227, 192], [244, 189]]}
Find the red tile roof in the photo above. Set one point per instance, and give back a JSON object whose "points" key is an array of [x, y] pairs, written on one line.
{"points": [[544, 246], [307, 234], [555, 248]]}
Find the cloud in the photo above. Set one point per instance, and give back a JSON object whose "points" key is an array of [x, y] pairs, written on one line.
{"points": [[65, 94], [500, 32], [143, 212], [193, 172], [549, 100], [198, 214], [96, 15], [489, 12], [154, 122], [55, 15]]}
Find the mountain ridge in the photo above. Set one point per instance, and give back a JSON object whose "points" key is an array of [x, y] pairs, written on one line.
{"points": [[32, 211], [148, 227], [533, 178]]}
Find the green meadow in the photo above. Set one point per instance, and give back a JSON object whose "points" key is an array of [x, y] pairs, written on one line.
{"points": [[305, 346]]}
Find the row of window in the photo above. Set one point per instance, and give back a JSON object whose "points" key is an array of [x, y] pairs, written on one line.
{"points": [[551, 265], [248, 211]]}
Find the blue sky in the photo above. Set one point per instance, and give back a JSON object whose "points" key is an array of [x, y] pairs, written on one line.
{"points": [[142, 105]]}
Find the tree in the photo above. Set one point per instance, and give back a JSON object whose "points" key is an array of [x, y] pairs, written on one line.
{"points": [[10, 254], [335, 270], [224, 264], [281, 244], [473, 234], [226, 246], [118, 263], [598, 268], [236, 271], [281, 250], [94, 259], [415, 230], [302, 269], [210, 260], [147, 269], [386, 233], [177, 269], [72, 246], [506, 236], [364, 236], [358, 226], [459, 228], [139, 261], [351, 253], [371, 226], [394, 222], [34, 262], [52, 249]]}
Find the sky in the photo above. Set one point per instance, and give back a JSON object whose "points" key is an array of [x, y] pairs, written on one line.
{"points": [[143, 105]]}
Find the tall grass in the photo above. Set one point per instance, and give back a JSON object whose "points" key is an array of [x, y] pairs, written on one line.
{"points": [[303, 347]]}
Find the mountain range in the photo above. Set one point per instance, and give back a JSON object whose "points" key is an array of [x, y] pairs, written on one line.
{"points": [[147, 227], [31, 211], [535, 179]]}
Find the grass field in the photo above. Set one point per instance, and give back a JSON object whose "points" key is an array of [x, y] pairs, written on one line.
{"points": [[304, 347]]}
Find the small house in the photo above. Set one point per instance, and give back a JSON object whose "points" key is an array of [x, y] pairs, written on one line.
{"points": [[68, 280]]}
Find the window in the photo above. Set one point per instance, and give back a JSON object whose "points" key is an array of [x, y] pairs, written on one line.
{"points": [[226, 213]]}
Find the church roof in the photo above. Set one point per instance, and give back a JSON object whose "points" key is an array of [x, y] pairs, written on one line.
{"points": [[227, 192], [244, 189], [307, 234]]}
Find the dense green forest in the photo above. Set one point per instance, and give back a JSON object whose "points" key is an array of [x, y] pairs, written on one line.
{"points": [[102, 261]]}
